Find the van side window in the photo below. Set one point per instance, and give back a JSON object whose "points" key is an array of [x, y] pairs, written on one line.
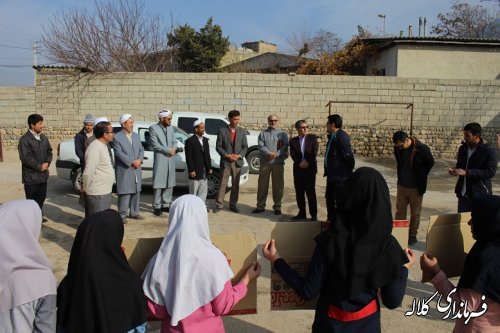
{"points": [[186, 123], [212, 126]]}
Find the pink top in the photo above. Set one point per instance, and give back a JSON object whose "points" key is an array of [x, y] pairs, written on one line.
{"points": [[489, 322], [207, 318]]}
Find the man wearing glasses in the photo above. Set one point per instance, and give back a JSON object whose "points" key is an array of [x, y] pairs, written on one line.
{"points": [[99, 174], [303, 151], [273, 148]]}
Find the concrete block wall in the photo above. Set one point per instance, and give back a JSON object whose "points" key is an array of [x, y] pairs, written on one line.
{"points": [[441, 107], [16, 104]]}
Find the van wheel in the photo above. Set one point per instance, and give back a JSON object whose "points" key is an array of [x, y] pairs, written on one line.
{"points": [[76, 179], [213, 184], [253, 159]]}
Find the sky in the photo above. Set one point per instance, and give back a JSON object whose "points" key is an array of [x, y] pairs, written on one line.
{"points": [[274, 21]]}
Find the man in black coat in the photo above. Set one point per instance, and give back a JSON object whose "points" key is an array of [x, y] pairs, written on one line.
{"points": [[198, 161], [303, 150], [476, 166], [414, 162], [35, 153]]}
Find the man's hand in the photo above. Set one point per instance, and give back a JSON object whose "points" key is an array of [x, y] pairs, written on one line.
{"points": [[271, 156], [192, 174], [304, 164], [44, 166], [136, 164]]}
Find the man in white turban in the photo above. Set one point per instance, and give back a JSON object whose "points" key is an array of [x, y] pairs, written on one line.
{"points": [[129, 154], [162, 140]]}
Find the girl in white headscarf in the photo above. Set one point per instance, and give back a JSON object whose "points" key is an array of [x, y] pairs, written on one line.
{"points": [[27, 283], [188, 281]]}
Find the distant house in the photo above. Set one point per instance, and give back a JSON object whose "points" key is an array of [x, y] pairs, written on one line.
{"points": [[435, 57]]}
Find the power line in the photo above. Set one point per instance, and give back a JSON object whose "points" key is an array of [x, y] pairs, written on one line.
{"points": [[15, 47]]}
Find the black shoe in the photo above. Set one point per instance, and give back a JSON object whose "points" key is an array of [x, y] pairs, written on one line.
{"points": [[165, 209], [234, 209], [299, 216], [258, 210], [277, 212], [44, 220], [412, 240], [314, 218], [157, 211]]}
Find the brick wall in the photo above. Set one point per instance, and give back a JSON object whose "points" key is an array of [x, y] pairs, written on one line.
{"points": [[441, 107], [16, 104]]}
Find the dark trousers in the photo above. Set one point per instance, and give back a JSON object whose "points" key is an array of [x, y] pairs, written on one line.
{"points": [[305, 183], [334, 190], [37, 192], [464, 204]]}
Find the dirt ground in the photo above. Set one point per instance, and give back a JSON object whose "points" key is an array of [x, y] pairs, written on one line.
{"points": [[63, 212]]}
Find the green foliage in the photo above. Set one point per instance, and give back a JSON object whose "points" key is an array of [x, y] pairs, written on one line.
{"points": [[198, 51]]}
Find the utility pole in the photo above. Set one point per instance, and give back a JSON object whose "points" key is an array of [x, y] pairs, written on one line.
{"points": [[382, 16], [35, 60]]}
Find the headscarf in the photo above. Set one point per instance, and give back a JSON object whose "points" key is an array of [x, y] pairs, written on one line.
{"points": [[482, 265], [188, 271], [25, 272], [362, 253], [100, 292]]}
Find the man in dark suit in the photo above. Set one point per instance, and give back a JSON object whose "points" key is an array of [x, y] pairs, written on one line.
{"points": [[303, 150], [198, 161], [232, 147]]}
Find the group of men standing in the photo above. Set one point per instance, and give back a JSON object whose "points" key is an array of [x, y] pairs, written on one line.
{"points": [[476, 165]]}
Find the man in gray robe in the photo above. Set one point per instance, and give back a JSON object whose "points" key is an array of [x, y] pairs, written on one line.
{"points": [[162, 139], [129, 154]]}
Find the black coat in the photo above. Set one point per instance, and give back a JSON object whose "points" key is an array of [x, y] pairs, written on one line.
{"points": [[197, 159], [481, 168], [421, 161], [310, 152], [33, 153], [340, 158]]}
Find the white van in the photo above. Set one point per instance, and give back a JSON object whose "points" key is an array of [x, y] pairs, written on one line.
{"points": [[214, 122]]}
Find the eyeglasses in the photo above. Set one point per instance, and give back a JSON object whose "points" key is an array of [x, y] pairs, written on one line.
{"points": [[273, 120], [110, 132]]}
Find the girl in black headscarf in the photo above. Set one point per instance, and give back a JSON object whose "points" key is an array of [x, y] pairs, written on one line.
{"points": [[353, 259], [100, 292], [481, 274]]}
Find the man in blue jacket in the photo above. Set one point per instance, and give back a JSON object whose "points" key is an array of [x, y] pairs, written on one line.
{"points": [[476, 166], [339, 163], [414, 162]]}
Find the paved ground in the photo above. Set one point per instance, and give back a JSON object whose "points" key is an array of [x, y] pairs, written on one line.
{"points": [[64, 214]]}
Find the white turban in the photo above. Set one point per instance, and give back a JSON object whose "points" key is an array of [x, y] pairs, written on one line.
{"points": [[99, 119], [164, 113], [197, 122], [124, 118]]}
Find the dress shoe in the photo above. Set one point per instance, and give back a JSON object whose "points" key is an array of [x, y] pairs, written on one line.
{"points": [[138, 217], [314, 218], [277, 212], [44, 220], [258, 210], [412, 240], [234, 209], [299, 216], [157, 211], [165, 209]]}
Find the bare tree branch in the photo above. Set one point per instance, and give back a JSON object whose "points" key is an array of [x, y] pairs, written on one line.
{"points": [[113, 36]]}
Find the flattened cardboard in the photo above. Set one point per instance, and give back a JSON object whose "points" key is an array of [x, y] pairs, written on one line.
{"points": [[449, 239], [295, 241], [240, 249]]}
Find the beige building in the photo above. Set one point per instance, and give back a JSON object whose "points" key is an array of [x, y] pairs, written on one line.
{"points": [[246, 51], [436, 58]]}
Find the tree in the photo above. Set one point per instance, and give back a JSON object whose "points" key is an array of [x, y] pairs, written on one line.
{"points": [[321, 43], [114, 36], [350, 60], [466, 21], [198, 51]]}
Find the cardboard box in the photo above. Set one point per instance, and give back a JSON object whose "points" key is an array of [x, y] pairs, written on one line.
{"points": [[295, 242], [400, 229], [240, 249], [449, 239]]}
